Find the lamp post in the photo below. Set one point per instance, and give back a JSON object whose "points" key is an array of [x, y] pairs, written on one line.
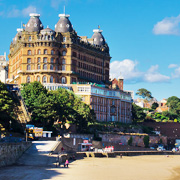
{"points": [[10, 127]]}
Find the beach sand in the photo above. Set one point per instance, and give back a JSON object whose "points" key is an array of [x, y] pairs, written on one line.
{"points": [[159, 167]]}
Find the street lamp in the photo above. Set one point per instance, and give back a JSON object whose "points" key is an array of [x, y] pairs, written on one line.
{"points": [[10, 127]]}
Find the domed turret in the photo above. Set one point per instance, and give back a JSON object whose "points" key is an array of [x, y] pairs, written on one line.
{"points": [[98, 37], [64, 24], [34, 24], [47, 31]]}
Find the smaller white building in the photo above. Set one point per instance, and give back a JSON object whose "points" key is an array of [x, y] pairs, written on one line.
{"points": [[3, 68], [47, 133]]}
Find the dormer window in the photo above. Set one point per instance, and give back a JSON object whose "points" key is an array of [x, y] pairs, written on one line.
{"points": [[64, 39]]}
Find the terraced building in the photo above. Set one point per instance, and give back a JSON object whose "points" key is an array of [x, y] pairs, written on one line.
{"points": [[61, 58]]}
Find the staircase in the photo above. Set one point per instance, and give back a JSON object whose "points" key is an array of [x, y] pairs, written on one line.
{"points": [[21, 111]]}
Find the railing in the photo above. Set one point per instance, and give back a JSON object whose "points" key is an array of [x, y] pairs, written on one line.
{"points": [[23, 103]]}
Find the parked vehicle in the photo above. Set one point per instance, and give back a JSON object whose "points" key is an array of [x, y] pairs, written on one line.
{"points": [[160, 148]]}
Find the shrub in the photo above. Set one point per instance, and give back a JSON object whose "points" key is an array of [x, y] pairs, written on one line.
{"points": [[146, 141], [130, 141]]}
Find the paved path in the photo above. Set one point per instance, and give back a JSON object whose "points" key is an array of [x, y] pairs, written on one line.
{"points": [[35, 164]]}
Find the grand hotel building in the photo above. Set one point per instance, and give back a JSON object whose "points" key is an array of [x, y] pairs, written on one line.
{"points": [[60, 58]]}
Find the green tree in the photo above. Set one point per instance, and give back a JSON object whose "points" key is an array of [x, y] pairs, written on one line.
{"points": [[144, 93], [130, 141], [154, 105], [137, 113], [146, 141], [7, 104]]}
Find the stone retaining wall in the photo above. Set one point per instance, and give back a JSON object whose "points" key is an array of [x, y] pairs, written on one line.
{"points": [[10, 152]]}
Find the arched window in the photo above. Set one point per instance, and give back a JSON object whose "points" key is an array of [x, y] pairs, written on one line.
{"points": [[28, 79], [51, 67], [45, 60], [45, 66], [44, 79], [39, 51], [28, 67], [45, 51], [52, 60], [63, 61], [29, 52], [63, 67], [63, 80], [39, 66], [38, 78], [52, 52], [64, 53], [28, 60], [38, 59], [51, 79]]}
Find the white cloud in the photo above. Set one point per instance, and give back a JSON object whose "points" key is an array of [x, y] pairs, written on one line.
{"points": [[168, 25], [172, 66], [176, 73], [131, 74], [153, 75], [14, 12], [56, 3], [127, 68], [28, 10]]}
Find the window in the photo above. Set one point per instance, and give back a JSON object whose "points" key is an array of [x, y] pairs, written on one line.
{"points": [[51, 79], [46, 38], [29, 52], [39, 66], [45, 60], [52, 60], [28, 67], [64, 46], [39, 60], [63, 80], [38, 78], [51, 67], [39, 51], [64, 53], [28, 79], [64, 39], [45, 51], [52, 52], [44, 79], [45, 66], [63, 61], [63, 67], [56, 68], [28, 60], [29, 38]]}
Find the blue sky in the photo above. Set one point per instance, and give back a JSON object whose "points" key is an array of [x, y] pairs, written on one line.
{"points": [[143, 35]]}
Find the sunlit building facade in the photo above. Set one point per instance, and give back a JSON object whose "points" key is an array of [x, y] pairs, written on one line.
{"points": [[61, 58]]}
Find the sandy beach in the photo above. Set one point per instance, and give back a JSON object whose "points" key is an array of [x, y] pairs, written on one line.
{"points": [[127, 168], [155, 167]]}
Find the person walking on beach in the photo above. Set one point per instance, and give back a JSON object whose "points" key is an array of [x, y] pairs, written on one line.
{"points": [[66, 163]]}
